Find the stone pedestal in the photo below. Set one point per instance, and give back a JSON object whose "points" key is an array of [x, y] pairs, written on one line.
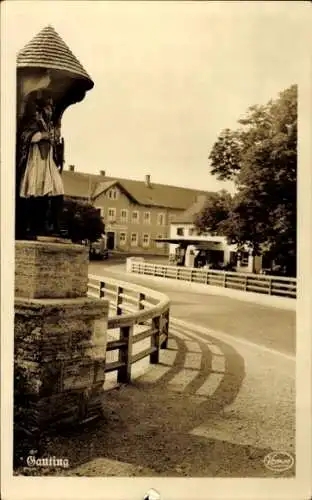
{"points": [[59, 339], [50, 270]]}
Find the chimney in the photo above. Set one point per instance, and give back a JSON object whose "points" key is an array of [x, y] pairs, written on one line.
{"points": [[148, 180], [102, 172], [71, 168]]}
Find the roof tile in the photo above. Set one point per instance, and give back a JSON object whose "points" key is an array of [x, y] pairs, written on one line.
{"points": [[188, 216], [158, 195]]}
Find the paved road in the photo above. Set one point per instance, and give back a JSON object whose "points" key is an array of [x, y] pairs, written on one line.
{"points": [[220, 400], [263, 325]]}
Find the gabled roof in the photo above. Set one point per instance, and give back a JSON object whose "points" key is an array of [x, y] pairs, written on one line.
{"points": [[102, 187], [159, 195], [188, 216], [48, 50]]}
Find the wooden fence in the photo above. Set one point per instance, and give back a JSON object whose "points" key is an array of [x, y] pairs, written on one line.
{"points": [[137, 315], [246, 282]]}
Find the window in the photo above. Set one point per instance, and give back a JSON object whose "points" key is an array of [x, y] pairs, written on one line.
{"points": [[147, 217], [111, 214], [122, 238], [159, 244], [124, 215], [101, 210], [244, 258], [135, 216], [146, 239], [161, 219], [134, 239], [113, 194], [180, 231], [192, 231]]}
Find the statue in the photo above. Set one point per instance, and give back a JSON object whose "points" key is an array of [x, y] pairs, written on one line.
{"points": [[49, 80], [39, 165]]}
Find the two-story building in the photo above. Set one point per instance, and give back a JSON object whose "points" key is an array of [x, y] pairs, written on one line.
{"points": [[136, 213]]}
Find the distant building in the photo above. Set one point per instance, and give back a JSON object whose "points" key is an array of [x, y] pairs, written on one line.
{"points": [[136, 213], [217, 251]]}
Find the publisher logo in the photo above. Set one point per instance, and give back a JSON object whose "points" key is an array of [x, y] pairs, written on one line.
{"points": [[152, 495], [279, 461]]}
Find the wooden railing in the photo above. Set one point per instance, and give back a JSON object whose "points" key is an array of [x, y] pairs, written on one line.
{"points": [[137, 316], [247, 282]]}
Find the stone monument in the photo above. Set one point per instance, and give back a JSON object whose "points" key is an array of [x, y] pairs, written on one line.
{"points": [[60, 334]]}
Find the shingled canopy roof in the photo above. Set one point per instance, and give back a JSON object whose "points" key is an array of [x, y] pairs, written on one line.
{"points": [[84, 185], [48, 50]]}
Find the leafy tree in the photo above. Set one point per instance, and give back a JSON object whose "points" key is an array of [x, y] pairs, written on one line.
{"points": [[81, 221], [216, 212], [261, 158]]}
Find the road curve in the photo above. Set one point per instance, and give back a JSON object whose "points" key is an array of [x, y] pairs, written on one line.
{"points": [[226, 387]]}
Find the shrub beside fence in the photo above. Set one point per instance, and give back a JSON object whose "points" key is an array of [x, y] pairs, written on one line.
{"points": [[247, 282], [137, 316]]}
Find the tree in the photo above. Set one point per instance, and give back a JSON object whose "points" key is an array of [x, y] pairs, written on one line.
{"points": [[81, 221], [261, 158], [215, 214]]}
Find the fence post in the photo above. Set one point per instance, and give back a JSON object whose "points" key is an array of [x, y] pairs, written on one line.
{"points": [[207, 277], [141, 306], [125, 354], [119, 300], [155, 341], [224, 279], [166, 316], [270, 286], [246, 283], [141, 298], [102, 289]]}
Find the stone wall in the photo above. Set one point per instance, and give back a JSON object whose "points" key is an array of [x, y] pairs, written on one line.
{"points": [[59, 342]]}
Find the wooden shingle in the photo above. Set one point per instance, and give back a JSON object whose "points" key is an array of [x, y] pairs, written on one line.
{"points": [[48, 50]]}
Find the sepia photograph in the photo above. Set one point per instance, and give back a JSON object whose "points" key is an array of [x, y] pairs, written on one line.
{"points": [[156, 249]]}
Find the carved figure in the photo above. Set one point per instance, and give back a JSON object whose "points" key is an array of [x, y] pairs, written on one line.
{"points": [[39, 165]]}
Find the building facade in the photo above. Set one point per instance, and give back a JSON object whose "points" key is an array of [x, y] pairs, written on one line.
{"points": [[218, 252], [130, 226], [135, 213]]}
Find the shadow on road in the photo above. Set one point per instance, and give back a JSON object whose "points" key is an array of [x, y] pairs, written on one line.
{"points": [[149, 423]]}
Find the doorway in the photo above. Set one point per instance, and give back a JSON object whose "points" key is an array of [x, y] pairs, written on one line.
{"points": [[110, 240]]}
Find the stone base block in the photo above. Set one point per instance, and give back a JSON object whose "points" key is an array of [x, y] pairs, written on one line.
{"points": [[50, 270], [60, 352]]}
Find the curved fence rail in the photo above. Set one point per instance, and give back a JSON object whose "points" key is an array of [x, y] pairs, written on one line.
{"points": [[138, 323], [247, 282]]}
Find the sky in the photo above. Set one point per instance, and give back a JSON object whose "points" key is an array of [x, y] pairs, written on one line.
{"points": [[169, 77]]}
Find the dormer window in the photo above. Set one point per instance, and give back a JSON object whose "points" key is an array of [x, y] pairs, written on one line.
{"points": [[113, 194]]}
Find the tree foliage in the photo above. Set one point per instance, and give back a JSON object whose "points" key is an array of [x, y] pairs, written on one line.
{"points": [[261, 158], [81, 221], [216, 213]]}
